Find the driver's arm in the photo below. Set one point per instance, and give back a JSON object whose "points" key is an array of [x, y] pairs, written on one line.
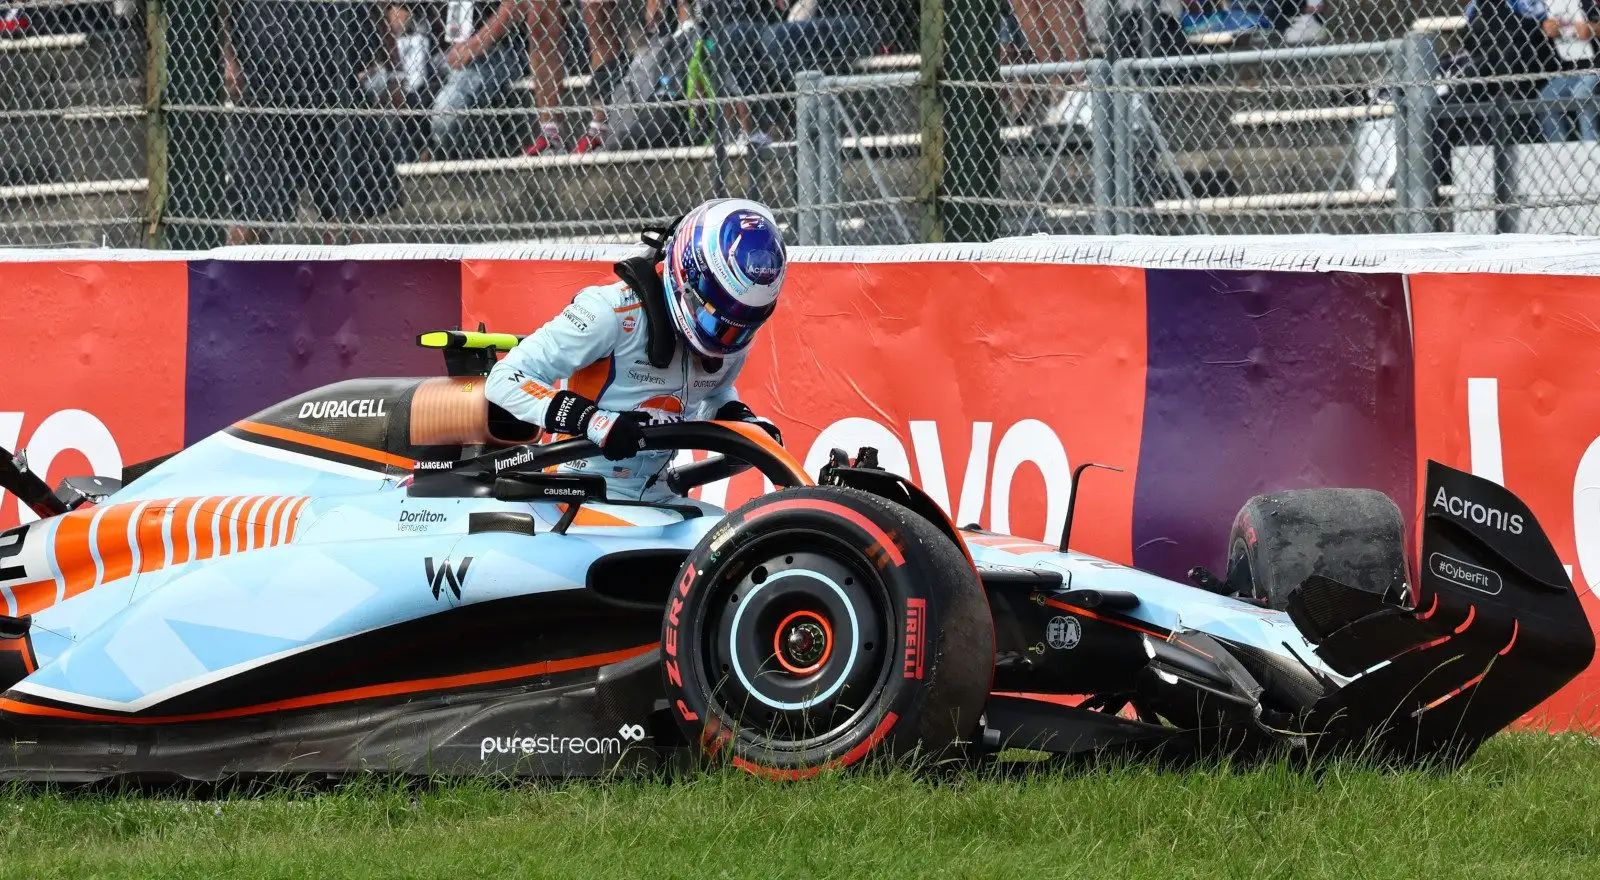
{"points": [[524, 381], [724, 405]]}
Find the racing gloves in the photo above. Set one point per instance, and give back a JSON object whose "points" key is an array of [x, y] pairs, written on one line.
{"points": [[619, 435], [736, 411]]}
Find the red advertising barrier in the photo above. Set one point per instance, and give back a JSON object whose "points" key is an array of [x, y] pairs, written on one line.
{"points": [[985, 397], [1508, 386], [92, 375], [986, 382]]}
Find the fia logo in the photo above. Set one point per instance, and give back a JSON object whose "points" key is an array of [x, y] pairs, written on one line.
{"points": [[440, 576]]}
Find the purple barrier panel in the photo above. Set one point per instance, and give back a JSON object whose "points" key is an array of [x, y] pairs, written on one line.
{"points": [[1264, 381], [263, 331]]}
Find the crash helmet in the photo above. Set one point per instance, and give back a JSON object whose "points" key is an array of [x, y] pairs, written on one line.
{"points": [[722, 270]]}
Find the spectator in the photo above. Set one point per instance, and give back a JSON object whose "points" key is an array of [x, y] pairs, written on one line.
{"points": [[763, 45], [305, 56], [1144, 28], [1294, 21], [485, 52], [405, 85], [1054, 32], [822, 34], [1504, 40], [734, 33], [608, 59], [1569, 23]]}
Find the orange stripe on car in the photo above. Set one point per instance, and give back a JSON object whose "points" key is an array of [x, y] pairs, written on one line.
{"points": [[399, 688], [149, 534], [71, 551], [761, 438], [590, 517], [325, 444]]}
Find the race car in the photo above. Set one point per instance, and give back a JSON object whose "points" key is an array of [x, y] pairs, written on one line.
{"points": [[389, 575]]}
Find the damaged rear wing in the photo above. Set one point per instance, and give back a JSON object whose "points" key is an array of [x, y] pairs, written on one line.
{"points": [[1491, 629]]}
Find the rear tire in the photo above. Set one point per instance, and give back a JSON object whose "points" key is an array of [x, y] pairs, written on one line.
{"points": [[816, 627], [1354, 536]]}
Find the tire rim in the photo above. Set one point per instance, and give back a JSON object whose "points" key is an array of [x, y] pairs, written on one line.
{"points": [[797, 642]]}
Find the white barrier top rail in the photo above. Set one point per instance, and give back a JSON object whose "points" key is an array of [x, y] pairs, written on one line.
{"points": [[1438, 252]]}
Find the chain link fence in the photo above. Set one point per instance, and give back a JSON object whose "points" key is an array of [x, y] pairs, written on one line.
{"points": [[193, 123]]}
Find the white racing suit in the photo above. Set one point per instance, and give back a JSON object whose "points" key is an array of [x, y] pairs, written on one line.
{"points": [[596, 348]]}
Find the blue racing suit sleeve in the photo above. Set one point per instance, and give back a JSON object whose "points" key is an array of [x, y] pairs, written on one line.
{"points": [[524, 381]]}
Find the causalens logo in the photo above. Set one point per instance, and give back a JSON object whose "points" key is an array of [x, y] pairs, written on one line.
{"points": [[553, 744]]}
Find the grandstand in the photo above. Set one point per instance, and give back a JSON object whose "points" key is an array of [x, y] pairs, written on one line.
{"points": [[115, 123]]}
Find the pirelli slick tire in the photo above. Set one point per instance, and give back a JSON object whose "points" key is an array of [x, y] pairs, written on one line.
{"points": [[1354, 536], [818, 627]]}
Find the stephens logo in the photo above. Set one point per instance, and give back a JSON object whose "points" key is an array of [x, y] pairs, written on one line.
{"points": [[343, 409], [1492, 517], [646, 378], [916, 624], [552, 744]]}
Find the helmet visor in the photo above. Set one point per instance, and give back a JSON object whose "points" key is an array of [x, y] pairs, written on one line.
{"points": [[719, 332]]}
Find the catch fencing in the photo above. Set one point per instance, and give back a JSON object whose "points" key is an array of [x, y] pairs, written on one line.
{"points": [[194, 123]]}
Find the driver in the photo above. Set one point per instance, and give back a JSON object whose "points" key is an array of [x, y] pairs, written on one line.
{"points": [[665, 343]]}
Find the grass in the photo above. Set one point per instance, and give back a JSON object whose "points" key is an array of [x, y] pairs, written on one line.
{"points": [[1527, 806]]}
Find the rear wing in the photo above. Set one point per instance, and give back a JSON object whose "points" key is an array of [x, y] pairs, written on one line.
{"points": [[1492, 629]]}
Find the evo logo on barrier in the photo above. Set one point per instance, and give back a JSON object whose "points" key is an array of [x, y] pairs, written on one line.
{"points": [[991, 466], [991, 470], [60, 431]]}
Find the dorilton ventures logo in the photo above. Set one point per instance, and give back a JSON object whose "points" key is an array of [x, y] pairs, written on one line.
{"points": [[419, 520]]}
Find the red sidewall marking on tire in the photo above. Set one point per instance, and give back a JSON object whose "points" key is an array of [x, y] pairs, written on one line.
{"points": [[844, 760], [890, 548]]}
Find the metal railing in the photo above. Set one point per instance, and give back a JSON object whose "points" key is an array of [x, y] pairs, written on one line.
{"points": [[1122, 131]]}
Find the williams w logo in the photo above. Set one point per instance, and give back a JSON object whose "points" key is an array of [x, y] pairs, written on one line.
{"points": [[441, 576]]}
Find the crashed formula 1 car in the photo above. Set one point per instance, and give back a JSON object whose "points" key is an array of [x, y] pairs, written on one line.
{"points": [[384, 575]]}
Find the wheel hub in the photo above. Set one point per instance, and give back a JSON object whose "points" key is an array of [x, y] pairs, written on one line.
{"points": [[803, 642]]}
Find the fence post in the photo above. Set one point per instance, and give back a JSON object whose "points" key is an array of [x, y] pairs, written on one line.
{"points": [[959, 43], [930, 111], [972, 131], [1122, 143], [826, 110], [193, 149], [1102, 137], [1415, 123], [155, 99], [808, 86]]}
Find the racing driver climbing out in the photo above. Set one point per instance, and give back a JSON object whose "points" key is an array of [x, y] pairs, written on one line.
{"points": [[665, 342]]}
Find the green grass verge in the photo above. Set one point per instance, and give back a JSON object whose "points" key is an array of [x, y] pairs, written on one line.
{"points": [[1527, 806]]}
